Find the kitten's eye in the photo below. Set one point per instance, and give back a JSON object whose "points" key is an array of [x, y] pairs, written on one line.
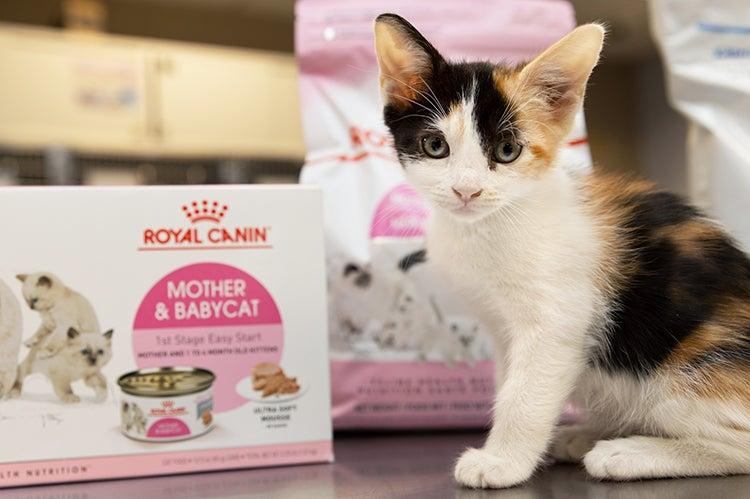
{"points": [[85, 351], [435, 146], [506, 151], [99, 352]]}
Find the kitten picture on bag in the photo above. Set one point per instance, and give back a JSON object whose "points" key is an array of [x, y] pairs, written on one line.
{"points": [[81, 357], [10, 338], [612, 293], [58, 306]]}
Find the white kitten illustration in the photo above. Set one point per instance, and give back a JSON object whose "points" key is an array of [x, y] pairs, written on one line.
{"points": [[359, 301], [58, 305], [411, 322], [81, 356], [464, 340], [10, 338]]}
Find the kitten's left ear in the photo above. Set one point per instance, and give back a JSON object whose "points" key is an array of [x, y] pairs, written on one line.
{"points": [[72, 333], [108, 334], [560, 73], [405, 57]]}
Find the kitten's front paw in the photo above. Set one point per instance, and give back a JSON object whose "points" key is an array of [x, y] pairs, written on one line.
{"points": [[30, 343], [100, 396], [614, 459], [479, 468], [70, 398]]}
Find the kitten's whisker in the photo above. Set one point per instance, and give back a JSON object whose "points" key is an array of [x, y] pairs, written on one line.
{"points": [[413, 102], [427, 97], [413, 115], [437, 101]]}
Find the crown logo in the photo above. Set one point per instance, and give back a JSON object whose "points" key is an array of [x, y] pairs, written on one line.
{"points": [[167, 404], [205, 211]]}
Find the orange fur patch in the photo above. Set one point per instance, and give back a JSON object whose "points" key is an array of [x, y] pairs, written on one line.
{"points": [[458, 111], [540, 153], [724, 384], [403, 92], [692, 237], [720, 381], [702, 340]]}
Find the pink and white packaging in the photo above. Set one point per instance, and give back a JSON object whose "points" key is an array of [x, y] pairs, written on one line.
{"points": [[406, 350], [218, 278]]}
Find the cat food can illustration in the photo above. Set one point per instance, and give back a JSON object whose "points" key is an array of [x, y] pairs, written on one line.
{"points": [[164, 404]]}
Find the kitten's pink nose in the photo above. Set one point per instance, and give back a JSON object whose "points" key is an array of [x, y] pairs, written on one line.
{"points": [[466, 194]]}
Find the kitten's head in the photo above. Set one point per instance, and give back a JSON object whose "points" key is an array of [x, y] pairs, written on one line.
{"points": [[464, 330], [474, 137], [88, 350], [41, 290]]}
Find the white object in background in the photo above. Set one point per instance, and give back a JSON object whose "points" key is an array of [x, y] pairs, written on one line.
{"points": [[706, 50]]}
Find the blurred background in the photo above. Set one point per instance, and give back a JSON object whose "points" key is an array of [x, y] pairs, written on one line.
{"points": [[204, 91]]}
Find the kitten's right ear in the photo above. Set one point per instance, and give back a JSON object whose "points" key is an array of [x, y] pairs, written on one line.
{"points": [[22, 277], [72, 333], [405, 57]]}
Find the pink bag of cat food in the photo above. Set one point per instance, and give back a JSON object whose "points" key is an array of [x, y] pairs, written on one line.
{"points": [[406, 350]]}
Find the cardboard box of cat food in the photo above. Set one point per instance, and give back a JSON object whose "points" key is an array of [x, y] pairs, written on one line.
{"points": [[148, 331]]}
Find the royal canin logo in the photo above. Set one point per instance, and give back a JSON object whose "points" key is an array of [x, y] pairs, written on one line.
{"points": [[205, 230], [167, 409]]}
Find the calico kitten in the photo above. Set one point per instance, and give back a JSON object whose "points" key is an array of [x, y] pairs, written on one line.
{"points": [[618, 294], [82, 356]]}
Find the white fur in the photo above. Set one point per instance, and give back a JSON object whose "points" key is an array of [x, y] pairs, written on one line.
{"points": [[10, 338], [60, 307]]}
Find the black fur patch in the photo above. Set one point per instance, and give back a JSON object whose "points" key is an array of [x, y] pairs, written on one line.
{"points": [[412, 259], [351, 268], [674, 292]]}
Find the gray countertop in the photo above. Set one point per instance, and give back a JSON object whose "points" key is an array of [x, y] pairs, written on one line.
{"points": [[414, 465]]}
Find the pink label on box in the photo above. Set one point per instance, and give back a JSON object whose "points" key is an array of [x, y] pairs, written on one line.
{"points": [[159, 463], [213, 316], [412, 394], [401, 213], [168, 428]]}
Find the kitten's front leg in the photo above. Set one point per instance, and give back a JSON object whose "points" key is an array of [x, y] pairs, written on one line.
{"points": [[39, 335], [543, 365], [99, 384], [64, 391]]}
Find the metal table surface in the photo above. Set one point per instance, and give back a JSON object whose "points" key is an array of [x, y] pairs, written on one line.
{"points": [[378, 465]]}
